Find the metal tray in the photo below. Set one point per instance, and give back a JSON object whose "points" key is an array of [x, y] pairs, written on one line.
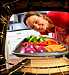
{"points": [[43, 54]]}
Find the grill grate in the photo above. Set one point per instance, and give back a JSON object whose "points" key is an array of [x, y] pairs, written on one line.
{"points": [[36, 66], [61, 69]]}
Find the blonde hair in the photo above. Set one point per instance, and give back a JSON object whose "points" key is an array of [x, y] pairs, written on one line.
{"points": [[51, 24]]}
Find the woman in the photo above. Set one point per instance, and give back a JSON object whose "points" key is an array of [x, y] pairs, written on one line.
{"points": [[39, 22], [51, 22]]}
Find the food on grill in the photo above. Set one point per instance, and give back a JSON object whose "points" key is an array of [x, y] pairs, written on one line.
{"points": [[52, 42], [28, 47], [53, 48], [33, 44], [33, 38]]}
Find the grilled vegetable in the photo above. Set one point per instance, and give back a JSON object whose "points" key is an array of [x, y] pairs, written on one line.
{"points": [[51, 42], [55, 48], [39, 44], [35, 39]]}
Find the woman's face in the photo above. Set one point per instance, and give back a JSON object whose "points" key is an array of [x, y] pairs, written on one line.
{"points": [[37, 22]]}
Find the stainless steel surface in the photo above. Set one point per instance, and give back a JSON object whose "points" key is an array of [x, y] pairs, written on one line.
{"points": [[45, 54]]}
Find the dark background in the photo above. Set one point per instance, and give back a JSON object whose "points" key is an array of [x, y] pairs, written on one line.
{"points": [[18, 6]]}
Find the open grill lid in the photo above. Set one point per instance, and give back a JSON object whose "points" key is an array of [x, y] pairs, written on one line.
{"points": [[9, 7]]}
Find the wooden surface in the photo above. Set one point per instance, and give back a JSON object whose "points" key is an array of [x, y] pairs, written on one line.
{"points": [[44, 65]]}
